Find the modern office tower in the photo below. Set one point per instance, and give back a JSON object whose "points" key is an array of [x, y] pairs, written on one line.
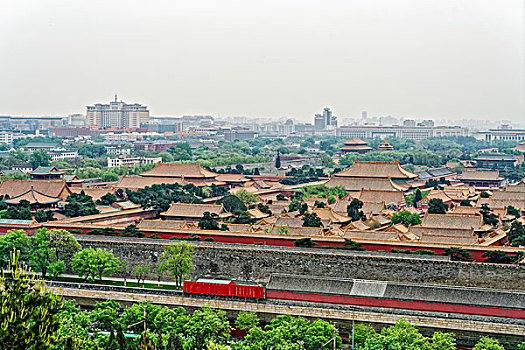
{"points": [[327, 114], [364, 115], [76, 119], [427, 122], [319, 122], [117, 115], [409, 123]]}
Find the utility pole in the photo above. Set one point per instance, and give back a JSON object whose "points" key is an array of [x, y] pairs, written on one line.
{"points": [[334, 336], [145, 319], [353, 318]]}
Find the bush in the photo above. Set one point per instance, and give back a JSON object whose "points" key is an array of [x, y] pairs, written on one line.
{"points": [[281, 197], [458, 254], [406, 218], [304, 242], [425, 252], [352, 245], [499, 257]]}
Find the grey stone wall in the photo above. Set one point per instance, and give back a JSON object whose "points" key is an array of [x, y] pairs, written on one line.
{"points": [[257, 263]]}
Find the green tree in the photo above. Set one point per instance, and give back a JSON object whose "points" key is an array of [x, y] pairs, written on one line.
{"points": [[39, 158], [145, 342], [487, 343], [132, 318], [29, 311], [13, 240], [209, 221], [513, 211], [242, 217], [109, 177], [458, 254], [353, 210], [436, 206], [80, 204], [181, 152], [278, 161], [489, 218], [516, 234], [44, 215], [49, 249], [465, 203], [319, 204], [141, 271], [312, 220], [90, 263], [499, 257], [352, 245], [304, 242], [92, 151], [105, 315], [443, 341], [22, 211], [406, 218], [362, 332], [232, 203], [132, 231], [281, 197], [287, 332], [177, 260], [207, 324], [484, 195], [246, 320], [246, 197], [107, 199], [402, 335], [175, 342], [418, 196]]}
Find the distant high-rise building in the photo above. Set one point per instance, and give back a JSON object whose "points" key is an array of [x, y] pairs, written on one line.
{"points": [[409, 122], [325, 121], [76, 119], [319, 122], [427, 122], [364, 115], [327, 114], [117, 115]]}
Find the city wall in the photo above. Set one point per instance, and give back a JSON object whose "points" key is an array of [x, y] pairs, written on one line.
{"points": [[257, 263]]}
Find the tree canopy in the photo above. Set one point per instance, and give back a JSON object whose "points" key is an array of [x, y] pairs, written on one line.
{"points": [[177, 260]]}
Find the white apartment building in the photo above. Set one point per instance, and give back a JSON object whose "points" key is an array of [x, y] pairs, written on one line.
{"points": [[403, 132], [118, 151], [6, 137], [117, 115], [120, 161], [63, 155], [503, 133], [128, 136]]}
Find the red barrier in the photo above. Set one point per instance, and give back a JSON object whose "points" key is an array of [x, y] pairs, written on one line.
{"points": [[396, 304], [232, 289]]}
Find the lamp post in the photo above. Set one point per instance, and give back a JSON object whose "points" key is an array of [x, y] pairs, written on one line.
{"points": [[353, 318]]}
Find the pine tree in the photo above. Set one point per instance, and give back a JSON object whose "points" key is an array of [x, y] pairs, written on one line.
{"points": [[175, 342], [29, 311], [278, 161], [417, 197], [145, 342]]}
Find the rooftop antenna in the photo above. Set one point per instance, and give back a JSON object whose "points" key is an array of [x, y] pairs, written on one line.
{"points": [[115, 97]]}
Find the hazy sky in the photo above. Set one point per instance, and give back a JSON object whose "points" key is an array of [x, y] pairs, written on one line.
{"points": [[449, 59]]}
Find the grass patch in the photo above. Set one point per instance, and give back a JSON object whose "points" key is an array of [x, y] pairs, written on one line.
{"points": [[107, 282]]}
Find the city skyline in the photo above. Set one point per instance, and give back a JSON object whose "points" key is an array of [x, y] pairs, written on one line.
{"points": [[423, 60]]}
